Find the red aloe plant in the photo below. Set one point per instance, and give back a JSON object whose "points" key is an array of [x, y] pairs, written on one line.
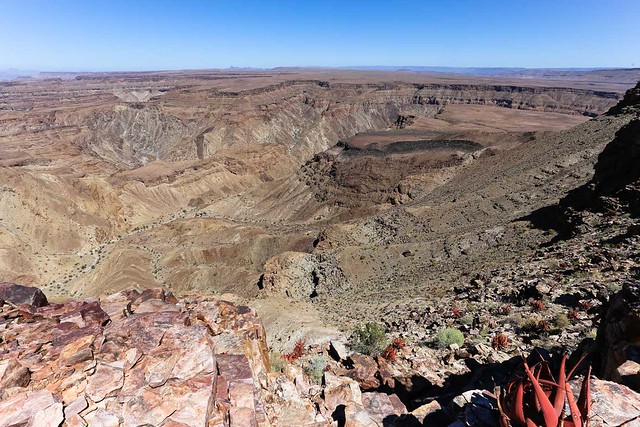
{"points": [[297, 352], [391, 351], [538, 400]]}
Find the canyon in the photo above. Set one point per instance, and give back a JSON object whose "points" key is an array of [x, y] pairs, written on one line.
{"points": [[177, 234], [229, 182]]}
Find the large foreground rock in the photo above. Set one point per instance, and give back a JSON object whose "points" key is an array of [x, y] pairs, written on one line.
{"points": [[134, 359]]}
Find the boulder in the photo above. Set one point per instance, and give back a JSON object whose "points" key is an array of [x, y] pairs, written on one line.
{"points": [[365, 371], [13, 374], [18, 295], [612, 404], [338, 350], [618, 338], [383, 407], [37, 408]]}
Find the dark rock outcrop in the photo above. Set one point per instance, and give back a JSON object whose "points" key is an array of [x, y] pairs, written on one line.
{"points": [[618, 339], [615, 186], [18, 295]]}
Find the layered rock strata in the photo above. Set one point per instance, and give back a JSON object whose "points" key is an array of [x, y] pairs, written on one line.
{"points": [[134, 358]]}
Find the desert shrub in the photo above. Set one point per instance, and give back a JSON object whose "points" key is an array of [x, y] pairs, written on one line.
{"points": [[467, 320], [276, 361], [527, 323], [297, 352], [613, 287], [448, 336], [538, 305], [314, 368], [370, 339], [500, 341], [561, 321]]}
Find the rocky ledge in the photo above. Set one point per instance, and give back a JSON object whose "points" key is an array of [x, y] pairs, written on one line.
{"points": [[132, 359], [149, 359]]}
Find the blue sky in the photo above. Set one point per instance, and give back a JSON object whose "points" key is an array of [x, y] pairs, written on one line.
{"points": [[150, 35]]}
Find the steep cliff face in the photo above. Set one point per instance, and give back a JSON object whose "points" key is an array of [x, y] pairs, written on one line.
{"points": [[617, 174], [306, 117], [615, 186]]}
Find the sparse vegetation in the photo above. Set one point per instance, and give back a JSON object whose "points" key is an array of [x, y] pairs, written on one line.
{"points": [[585, 305], [391, 352], [573, 314], [467, 320], [543, 326], [448, 336], [297, 352], [551, 393], [370, 339], [561, 321], [504, 309], [538, 305], [456, 312], [314, 368], [500, 341]]}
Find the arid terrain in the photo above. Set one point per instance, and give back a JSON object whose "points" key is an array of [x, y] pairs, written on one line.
{"points": [[440, 225], [317, 194]]}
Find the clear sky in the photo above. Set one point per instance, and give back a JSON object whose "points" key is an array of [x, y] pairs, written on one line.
{"points": [[82, 35]]}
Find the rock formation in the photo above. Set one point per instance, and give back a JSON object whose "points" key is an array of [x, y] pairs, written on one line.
{"points": [[146, 358]]}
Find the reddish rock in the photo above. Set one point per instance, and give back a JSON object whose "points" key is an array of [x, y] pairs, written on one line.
{"points": [[107, 381], [77, 351], [74, 420], [104, 418], [13, 374], [25, 408], [382, 407], [93, 314], [612, 404], [628, 374], [340, 391], [19, 295], [365, 371], [421, 412]]}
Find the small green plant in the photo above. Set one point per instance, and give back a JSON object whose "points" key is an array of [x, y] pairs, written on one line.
{"points": [[276, 361], [370, 339], [314, 368], [613, 287], [485, 331], [553, 265], [561, 321], [467, 320], [527, 323], [448, 336]]}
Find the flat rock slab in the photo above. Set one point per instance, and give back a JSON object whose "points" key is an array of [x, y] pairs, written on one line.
{"points": [[37, 408], [613, 404]]}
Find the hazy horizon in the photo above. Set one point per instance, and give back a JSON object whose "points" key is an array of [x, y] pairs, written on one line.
{"points": [[77, 36]]}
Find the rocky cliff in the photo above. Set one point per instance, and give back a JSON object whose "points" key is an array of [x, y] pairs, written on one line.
{"points": [[615, 186], [132, 359]]}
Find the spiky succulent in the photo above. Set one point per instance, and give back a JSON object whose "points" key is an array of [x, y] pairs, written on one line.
{"points": [[537, 399]]}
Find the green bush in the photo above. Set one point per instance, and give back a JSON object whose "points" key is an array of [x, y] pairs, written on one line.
{"points": [[314, 368], [448, 336], [370, 339], [561, 321]]}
